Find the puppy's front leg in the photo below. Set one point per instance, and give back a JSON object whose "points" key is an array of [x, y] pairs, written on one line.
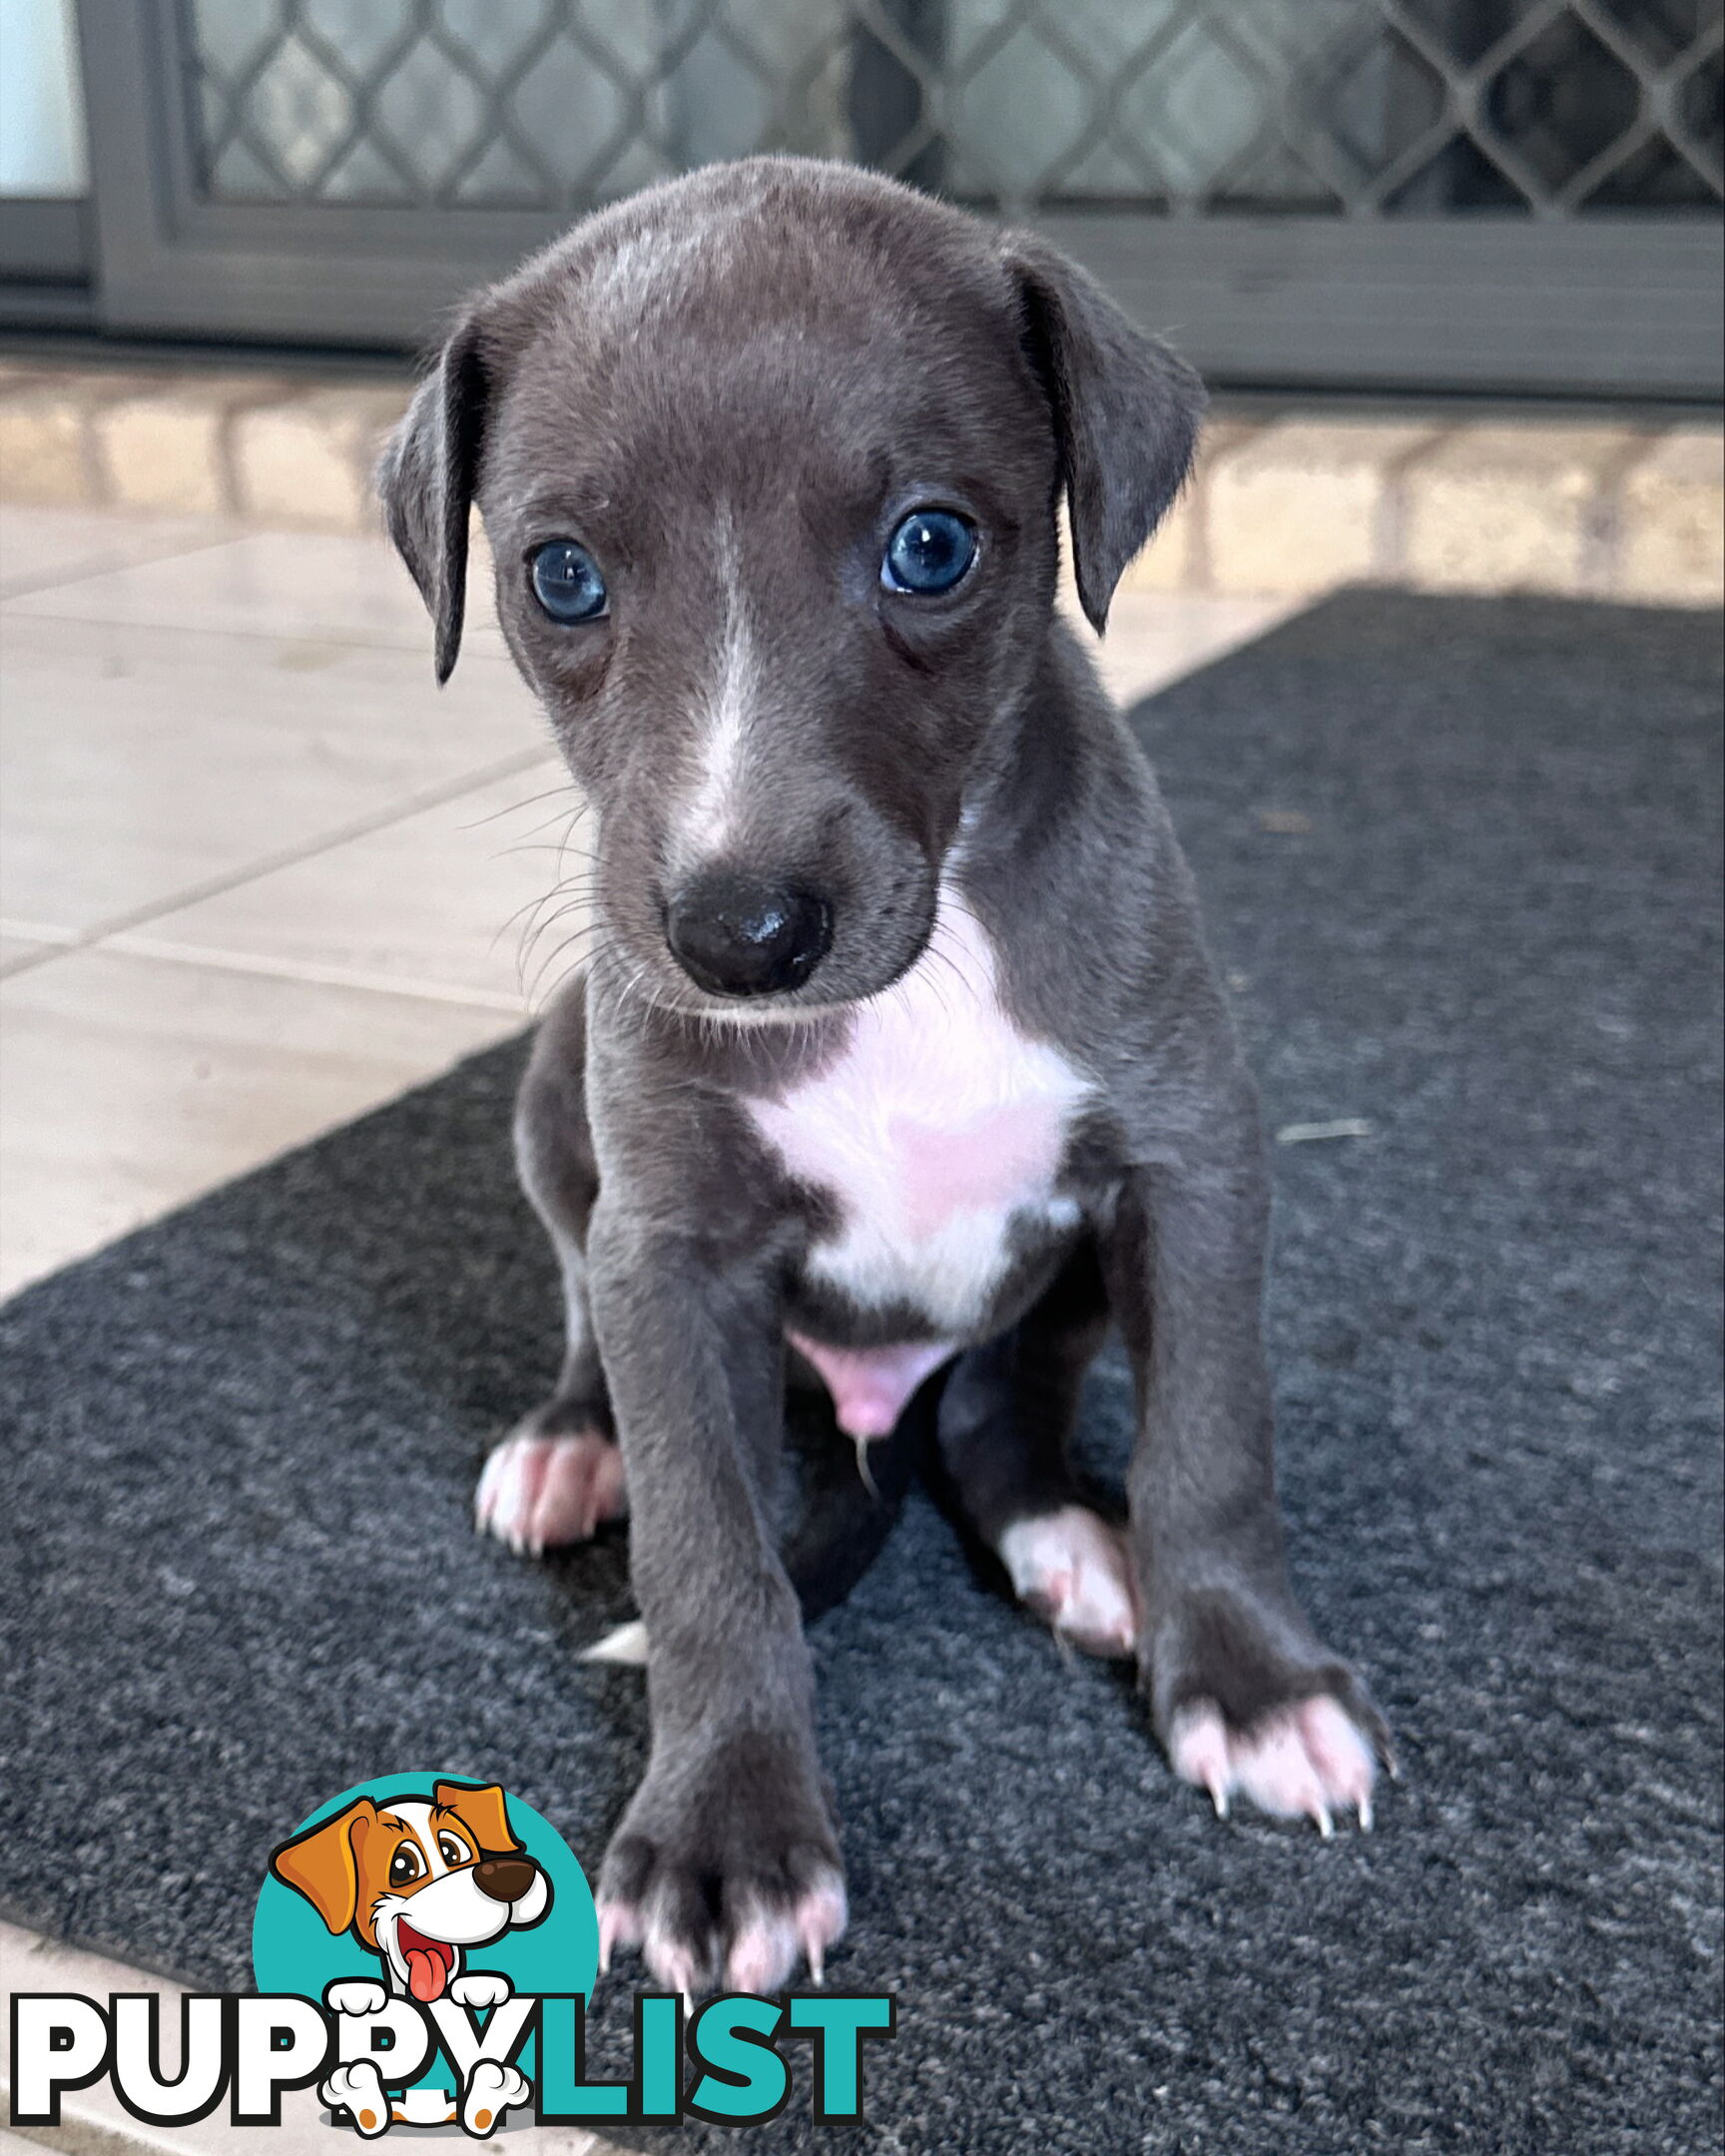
{"points": [[1241, 1691], [727, 1859]]}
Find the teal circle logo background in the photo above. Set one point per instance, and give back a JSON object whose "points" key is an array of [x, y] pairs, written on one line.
{"points": [[291, 1950]]}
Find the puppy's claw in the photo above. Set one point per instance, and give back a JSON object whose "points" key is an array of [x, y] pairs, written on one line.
{"points": [[820, 1919], [1305, 1760], [672, 1964]]}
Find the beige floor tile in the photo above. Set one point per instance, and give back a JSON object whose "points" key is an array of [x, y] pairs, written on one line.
{"points": [[274, 584], [319, 586], [130, 1084], [44, 546], [444, 902], [1155, 637], [142, 764]]}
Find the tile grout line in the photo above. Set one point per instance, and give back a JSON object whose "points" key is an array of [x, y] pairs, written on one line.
{"points": [[59, 583], [1390, 514], [340, 639], [1600, 569], [290, 857], [313, 975]]}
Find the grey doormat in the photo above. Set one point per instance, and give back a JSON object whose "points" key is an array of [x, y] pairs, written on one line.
{"points": [[1461, 859]]}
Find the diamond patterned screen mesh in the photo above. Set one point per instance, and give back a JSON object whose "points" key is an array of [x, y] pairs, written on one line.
{"points": [[1346, 108]]}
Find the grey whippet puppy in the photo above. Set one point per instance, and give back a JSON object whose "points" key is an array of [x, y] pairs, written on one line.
{"points": [[899, 1051]]}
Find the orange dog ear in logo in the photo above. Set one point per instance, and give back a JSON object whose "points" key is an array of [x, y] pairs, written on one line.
{"points": [[322, 1862], [485, 1811]]}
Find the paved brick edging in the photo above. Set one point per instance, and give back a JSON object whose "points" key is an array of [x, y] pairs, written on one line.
{"points": [[269, 448], [1530, 504], [1290, 505]]}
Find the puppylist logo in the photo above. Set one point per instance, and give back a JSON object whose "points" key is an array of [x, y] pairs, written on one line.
{"points": [[425, 1948]]}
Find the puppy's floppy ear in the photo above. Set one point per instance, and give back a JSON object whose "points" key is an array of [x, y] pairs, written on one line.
{"points": [[1126, 412], [485, 1810], [426, 477], [321, 1864]]}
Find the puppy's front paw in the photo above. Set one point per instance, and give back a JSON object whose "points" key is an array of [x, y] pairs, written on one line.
{"points": [[1248, 1702], [358, 2090], [480, 1988], [540, 1492], [726, 1870], [1071, 1568], [491, 2090], [1308, 1759], [355, 1995]]}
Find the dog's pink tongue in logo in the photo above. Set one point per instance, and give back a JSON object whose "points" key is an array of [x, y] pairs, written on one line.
{"points": [[429, 1963]]}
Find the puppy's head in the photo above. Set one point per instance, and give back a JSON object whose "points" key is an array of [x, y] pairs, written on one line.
{"points": [[770, 461], [417, 1879]]}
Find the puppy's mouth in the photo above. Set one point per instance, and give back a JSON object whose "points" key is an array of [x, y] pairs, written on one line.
{"points": [[430, 1962]]}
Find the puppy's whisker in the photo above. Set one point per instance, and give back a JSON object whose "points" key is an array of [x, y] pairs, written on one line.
{"points": [[531, 990], [569, 893], [533, 929], [533, 845], [532, 801], [530, 907]]}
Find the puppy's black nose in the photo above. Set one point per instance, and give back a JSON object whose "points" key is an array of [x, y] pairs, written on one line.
{"points": [[734, 936], [504, 1879]]}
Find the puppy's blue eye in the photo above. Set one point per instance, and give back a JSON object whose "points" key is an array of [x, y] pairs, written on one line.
{"points": [[566, 581], [929, 552]]}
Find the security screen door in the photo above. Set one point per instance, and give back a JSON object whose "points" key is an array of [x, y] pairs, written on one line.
{"points": [[1478, 195]]}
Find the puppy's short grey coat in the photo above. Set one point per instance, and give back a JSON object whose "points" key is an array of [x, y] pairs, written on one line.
{"points": [[899, 1063]]}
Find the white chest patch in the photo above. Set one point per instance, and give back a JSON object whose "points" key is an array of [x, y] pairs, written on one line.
{"points": [[939, 1123]]}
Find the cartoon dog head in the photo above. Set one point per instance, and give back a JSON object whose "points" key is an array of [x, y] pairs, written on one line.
{"points": [[417, 1879]]}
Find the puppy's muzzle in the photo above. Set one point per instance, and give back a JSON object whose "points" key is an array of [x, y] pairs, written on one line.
{"points": [[736, 936], [504, 1879]]}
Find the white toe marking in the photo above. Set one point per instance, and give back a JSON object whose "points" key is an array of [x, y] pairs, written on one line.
{"points": [[670, 1959], [619, 1925], [1308, 1761], [537, 1493], [764, 1948], [763, 1954], [1072, 1568]]}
